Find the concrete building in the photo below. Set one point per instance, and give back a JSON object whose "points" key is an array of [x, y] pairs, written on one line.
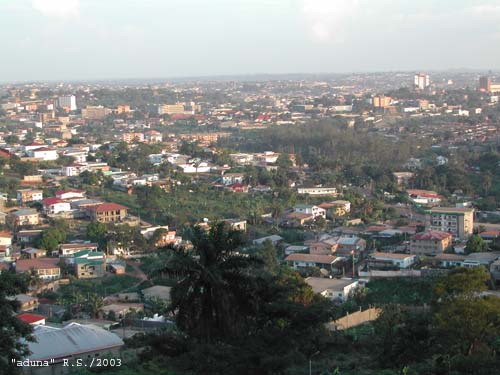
{"points": [[25, 196], [23, 217], [334, 289], [430, 243], [422, 81], [68, 344], [392, 259], [457, 221], [67, 102], [107, 212], [382, 101], [95, 112]]}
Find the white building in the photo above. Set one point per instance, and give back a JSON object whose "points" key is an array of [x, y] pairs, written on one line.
{"points": [[68, 101], [43, 153], [53, 206], [310, 209], [334, 289], [398, 260]]}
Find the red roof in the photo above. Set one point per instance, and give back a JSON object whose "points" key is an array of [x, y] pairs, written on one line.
{"points": [[30, 318], [23, 265], [325, 259], [108, 206], [52, 200], [431, 235]]}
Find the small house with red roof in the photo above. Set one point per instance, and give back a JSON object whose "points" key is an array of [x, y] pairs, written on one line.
{"points": [[431, 242], [46, 268], [32, 319], [238, 188], [108, 212], [53, 206]]}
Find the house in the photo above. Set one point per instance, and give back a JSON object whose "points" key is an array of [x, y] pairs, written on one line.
{"points": [[312, 260], [23, 217], [348, 245], [153, 136], [310, 209], [485, 259], [5, 238], [275, 240], [334, 289], [70, 194], [430, 242], [490, 236], [336, 208], [322, 248], [424, 197], [68, 249], [392, 259], [26, 303], [74, 342], [292, 249], [54, 206], [120, 310], [403, 178], [237, 224], [446, 260], [25, 196], [27, 236], [296, 219], [74, 169], [318, 191], [32, 319], [88, 264], [232, 178], [43, 153], [34, 253], [45, 268], [238, 188], [107, 212]]}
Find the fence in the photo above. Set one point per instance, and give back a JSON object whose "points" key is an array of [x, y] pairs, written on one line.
{"points": [[354, 319]]}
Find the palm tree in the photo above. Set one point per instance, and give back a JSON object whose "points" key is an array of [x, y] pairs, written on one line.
{"points": [[93, 305], [213, 294]]}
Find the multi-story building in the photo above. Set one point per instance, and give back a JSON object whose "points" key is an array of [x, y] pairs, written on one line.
{"points": [[457, 221], [430, 243], [382, 101], [23, 217], [310, 209], [422, 81], [107, 212], [25, 196], [67, 102], [53, 206], [45, 268], [485, 84], [132, 137], [95, 112]]}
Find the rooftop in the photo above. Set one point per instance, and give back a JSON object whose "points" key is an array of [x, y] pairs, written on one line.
{"points": [[319, 284]]}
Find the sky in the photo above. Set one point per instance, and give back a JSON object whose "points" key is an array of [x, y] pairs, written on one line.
{"points": [[110, 39]]}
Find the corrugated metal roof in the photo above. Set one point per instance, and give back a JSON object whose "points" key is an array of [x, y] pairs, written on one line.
{"points": [[72, 339]]}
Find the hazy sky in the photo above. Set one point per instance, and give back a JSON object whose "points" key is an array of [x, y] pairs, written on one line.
{"points": [[96, 39]]}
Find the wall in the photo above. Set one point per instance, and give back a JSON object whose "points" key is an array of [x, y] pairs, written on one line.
{"points": [[354, 319]]}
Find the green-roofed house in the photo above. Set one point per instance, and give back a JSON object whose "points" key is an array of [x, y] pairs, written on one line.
{"points": [[89, 264]]}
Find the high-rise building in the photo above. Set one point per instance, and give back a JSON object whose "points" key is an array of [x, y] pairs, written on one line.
{"points": [[457, 221], [484, 84], [382, 101], [422, 81], [95, 112], [68, 101]]}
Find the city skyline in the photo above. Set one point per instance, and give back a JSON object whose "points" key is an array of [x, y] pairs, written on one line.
{"points": [[92, 40]]}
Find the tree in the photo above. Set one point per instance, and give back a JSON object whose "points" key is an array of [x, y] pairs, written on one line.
{"points": [[475, 244], [50, 239], [267, 252], [96, 232], [14, 331], [93, 305], [211, 297]]}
